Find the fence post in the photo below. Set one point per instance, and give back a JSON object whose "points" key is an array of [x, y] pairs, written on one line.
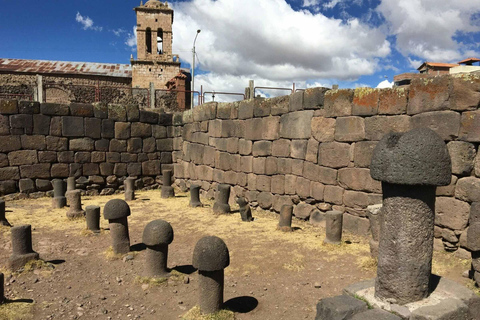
{"points": [[152, 95], [39, 95], [251, 86]]}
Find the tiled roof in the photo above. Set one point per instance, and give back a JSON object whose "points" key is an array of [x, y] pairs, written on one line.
{"points": [[66, 67], [438, 64], [469, 60]]}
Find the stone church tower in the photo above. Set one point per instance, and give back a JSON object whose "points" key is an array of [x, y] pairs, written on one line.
{"points": [[155, 62]]}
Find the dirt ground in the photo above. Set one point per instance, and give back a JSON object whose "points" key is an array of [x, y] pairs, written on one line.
{"points": [[272, 274]]}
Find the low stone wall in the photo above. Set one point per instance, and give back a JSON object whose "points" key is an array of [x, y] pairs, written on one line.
{"points": [[99, 144], [313, 148]]}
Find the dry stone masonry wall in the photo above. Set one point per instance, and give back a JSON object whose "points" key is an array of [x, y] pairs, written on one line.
{"points": [[313, 149], [98, 144]]}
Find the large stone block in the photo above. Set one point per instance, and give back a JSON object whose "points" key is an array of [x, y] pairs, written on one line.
{"points": [[29, 107], [468, 189], [8, 106], [261, 108], [21, 123], [100, 110], [271, 128], [254, 129], [56, 126], [264, 183], [81, 109], [4, 125], [208, 156], [151, 117], [82, 157], [355, 199], [470, 126], [393, 101], [358, 179], [117, 112], [334, 154], [102, 145], [349, 129], [259, 165], [284, 166], [91, 169], [265, 200], [151, 168], [356, 225], [316, 190], [33, 142], [338, 103], [98, 156], [22, 157], [318, 173], [281, 148], [428, 95], [40, 170], [93, 128], [206, 111], [312, 151], [122, 130], [339, 308], [463, 157], [290, 184], [164, 119], [139, 129], [262, 148], [10, 143], [303, 210], [245, 109], [302, 187], [464, 92], [164, 144], [271, 166], [279, 201], [296, 101], [117, 145], [54, 109], [279, 105], [9, 173], [362, 153], [149, 145], [278, 184], [59, 170], [41, 124], [81, 144], [108, 128], [365, 101], [313, 98], [245, 146], [445, 123], [298, 149], [296, 125], [120, 169], [333, 194], [451, 213], [66, 156], [26, 185], [376, 127], [106, 169]]}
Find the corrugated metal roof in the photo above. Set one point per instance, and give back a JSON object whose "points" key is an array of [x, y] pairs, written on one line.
{"points": [[66, 67]]}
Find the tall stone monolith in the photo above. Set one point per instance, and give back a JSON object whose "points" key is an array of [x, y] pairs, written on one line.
{"points": [[410, 166]]}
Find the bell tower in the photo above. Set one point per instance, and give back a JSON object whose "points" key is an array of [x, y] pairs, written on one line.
{"points": [[155, 62]]}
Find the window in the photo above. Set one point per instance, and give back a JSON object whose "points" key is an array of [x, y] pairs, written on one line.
{"points": [[148, 40], [159, 41]]}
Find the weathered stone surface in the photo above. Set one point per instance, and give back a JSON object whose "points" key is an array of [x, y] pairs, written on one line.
{"points": [[313, 98], [312, 151], [296, 125], [100, 110], [465, 92], [265, 200], [468, 189], [470, 126], [393, 101], [362, 153], [59, 170], [73, 127], [445, 123], [323, 129], [259, 165], [339, 308], [245, 147], [333, 194], [54, 109], [334, 154], [396, 159], [152, 117], [281, 148], [41, 124], [320, 174], [139, 129], [428, 95], [33, 142], [264, 183], [21, 123], [338, 103], [81, 144], [316, 190], [22, 157], [4, 125], [122, 130], [245, 109], [298, 149], [462, 155], [375, 314], [302, 188], [271, 128], [355, 199], [151, 168], [278, 184], [357, 225], [358, 179], [93, 128], [349, 129], [41, 170], [377, 126], [10, 143], [303, 210], [365, 101], [47, 156], [8, 106], [262, 148]]}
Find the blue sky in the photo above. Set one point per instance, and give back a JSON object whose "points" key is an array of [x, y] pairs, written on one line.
{"points": [[275, 42]]}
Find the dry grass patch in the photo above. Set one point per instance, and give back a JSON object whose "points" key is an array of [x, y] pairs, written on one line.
{"points": [[444, 261], [16, 310], [195, 314], [368, 263]]}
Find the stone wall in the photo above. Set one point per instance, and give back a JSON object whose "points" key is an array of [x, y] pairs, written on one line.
{"points": [[313, 148], [99, 144]]}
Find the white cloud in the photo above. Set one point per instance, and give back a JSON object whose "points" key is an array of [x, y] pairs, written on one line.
{"points": [[131, 39], [267, 39], [429, 29], [86, 23], [118, 32], [385, 84]]}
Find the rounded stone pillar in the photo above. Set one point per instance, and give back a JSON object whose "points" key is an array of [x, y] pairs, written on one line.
{"points": [[285, 219], [71, 185], [59, 199], [116, 212], [22, 251], [3, 219], [129, 185], [2, 288], [410, 166], [167, 189], [195, 196], [334, 227], [75, 201], [210, 257], [93, 218], [157, 235], [221, 199]]}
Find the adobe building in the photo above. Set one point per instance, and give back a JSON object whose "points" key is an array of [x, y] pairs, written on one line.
{"points": [[153, 80]]}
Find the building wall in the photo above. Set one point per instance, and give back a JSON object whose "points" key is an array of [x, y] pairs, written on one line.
{"points": [[99, 144], [313, 149], [464, 69], [159, 73], [154, 21]]}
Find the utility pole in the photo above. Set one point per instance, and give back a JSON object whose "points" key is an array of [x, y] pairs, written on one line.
{"points": [[193, 69]]}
